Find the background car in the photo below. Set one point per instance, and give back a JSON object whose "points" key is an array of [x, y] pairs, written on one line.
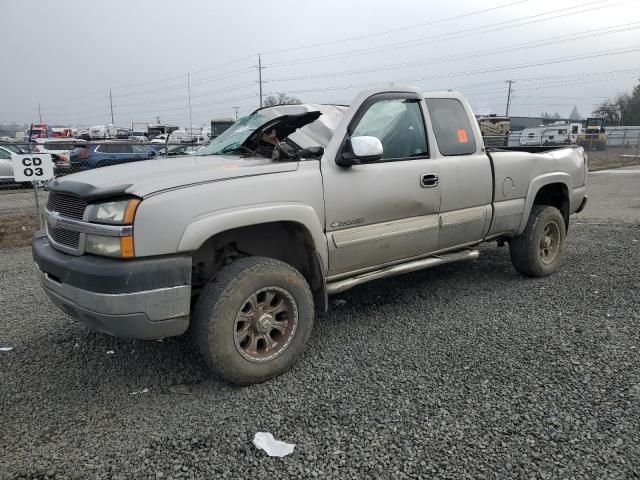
{"points": [[138, 138], [6, 168], [59, 148], [12, 147], [103, 154]]}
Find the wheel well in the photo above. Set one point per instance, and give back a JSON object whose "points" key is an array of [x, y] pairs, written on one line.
{"points": [[555, 195], [289, 242]]}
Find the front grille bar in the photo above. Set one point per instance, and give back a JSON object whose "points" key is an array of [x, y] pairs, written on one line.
{"points": [[60, 222]]}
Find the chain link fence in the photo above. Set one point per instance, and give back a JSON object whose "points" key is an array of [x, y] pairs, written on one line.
{"points": [[22, 204]]}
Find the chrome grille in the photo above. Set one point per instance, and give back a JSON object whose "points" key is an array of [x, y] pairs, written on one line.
{"points": [[64, 237], [66, 205]]}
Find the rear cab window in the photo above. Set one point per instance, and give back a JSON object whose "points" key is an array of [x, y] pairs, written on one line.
{"points": [[451, 126]]}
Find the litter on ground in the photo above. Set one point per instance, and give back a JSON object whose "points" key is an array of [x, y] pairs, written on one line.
{"points": [[272, 447]]}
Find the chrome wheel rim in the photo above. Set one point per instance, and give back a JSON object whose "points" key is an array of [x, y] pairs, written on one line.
{"points": [[549, 243], [265, 324]]}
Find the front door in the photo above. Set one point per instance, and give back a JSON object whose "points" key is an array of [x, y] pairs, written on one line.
{"points": [[386, 210]]}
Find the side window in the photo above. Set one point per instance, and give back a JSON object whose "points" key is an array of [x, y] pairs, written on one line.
{"points": [[399, 125], [139, 149], [4, 155], [451, 126], [119, 148]]}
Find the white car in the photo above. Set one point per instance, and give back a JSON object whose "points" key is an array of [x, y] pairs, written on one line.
{"points": [[162, 138], [6, 168], [59, 148]]}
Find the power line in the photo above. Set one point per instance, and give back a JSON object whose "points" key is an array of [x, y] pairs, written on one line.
{"points": [[401, 29], [567, 80], [480, 71], [451, 35], [176, 77], [477, 54]]}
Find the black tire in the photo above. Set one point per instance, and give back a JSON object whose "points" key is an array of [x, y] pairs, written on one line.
{"points": [[531, 255], [217, 316]]}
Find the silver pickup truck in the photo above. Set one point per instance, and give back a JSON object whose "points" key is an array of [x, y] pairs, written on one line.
{"points": [[242, 243]]}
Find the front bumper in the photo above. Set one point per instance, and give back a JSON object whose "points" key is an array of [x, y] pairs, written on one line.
{"points": [[139, 298]]}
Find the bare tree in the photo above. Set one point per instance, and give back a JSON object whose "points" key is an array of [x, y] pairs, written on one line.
{"points": [[280, 99], [608, 111]]}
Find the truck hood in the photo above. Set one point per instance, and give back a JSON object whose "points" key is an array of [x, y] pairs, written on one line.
{"points": [[150, 176]]}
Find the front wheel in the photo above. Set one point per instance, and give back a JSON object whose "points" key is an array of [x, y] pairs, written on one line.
{"points": [[252, 322], [538, 251]]}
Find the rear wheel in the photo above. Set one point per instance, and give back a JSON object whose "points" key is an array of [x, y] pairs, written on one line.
{"points": [[538, 251], [252, 322]]}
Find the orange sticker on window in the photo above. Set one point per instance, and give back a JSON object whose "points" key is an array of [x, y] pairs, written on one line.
{"points": [[462, 136]]}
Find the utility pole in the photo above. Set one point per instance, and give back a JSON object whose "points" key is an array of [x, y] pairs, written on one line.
{"points": [[260, 77], [111, 103], [189, 92], [510, 82], [236, 109], [40, 112]]}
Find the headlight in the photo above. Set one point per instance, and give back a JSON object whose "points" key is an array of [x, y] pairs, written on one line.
{"points": [[121, 212], [121, 247]]}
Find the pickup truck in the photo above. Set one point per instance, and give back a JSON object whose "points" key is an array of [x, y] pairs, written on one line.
{"points": [[242, 243]]}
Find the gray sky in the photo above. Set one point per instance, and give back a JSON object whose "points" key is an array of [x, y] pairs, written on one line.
{"points": [[68, 54]]}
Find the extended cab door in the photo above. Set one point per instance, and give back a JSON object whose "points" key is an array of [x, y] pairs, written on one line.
{"points": [[386, 210], [466, 180]]}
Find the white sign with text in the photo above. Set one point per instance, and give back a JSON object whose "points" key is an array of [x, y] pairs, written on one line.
{"points": [[30, 167]]}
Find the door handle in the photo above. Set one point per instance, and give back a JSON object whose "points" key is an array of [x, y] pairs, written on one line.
{"points": [[428, 180]]}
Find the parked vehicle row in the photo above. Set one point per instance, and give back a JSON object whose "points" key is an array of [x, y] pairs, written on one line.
{"points": [[71, 155]]}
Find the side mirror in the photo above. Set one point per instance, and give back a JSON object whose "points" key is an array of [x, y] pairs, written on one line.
{"points": [[362, 150]]}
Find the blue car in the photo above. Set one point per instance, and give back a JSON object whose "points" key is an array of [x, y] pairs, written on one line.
{"points": [[103, 154]]}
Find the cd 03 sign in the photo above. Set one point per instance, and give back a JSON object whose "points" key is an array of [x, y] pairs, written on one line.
{"points": [[32, 167]]}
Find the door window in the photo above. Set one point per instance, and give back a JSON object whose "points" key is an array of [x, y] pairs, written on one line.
{"points": [[451, 126], [399, 125], [139, 149]]}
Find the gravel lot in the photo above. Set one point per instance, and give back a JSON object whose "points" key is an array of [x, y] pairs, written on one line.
{"points": [[465, 371], [20, 201]]}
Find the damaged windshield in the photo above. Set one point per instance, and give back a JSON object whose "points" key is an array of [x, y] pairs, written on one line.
{"points": [[233, 138], [256, 135]]}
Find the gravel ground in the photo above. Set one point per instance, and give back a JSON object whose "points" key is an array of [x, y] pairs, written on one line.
{"points": [[464, 371], [20, 201]]}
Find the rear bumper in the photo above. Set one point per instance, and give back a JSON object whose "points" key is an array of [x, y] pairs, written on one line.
{"points": [[143, 298]]}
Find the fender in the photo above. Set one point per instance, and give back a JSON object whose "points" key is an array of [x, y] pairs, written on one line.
{"points": [[536, 184], [203, 228]]}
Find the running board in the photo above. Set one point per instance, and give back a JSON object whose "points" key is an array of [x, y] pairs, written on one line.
{"points": [[342, 285]]}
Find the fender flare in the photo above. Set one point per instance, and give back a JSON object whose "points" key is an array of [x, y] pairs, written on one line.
{"points": [[205, 227], [534, 187]]}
